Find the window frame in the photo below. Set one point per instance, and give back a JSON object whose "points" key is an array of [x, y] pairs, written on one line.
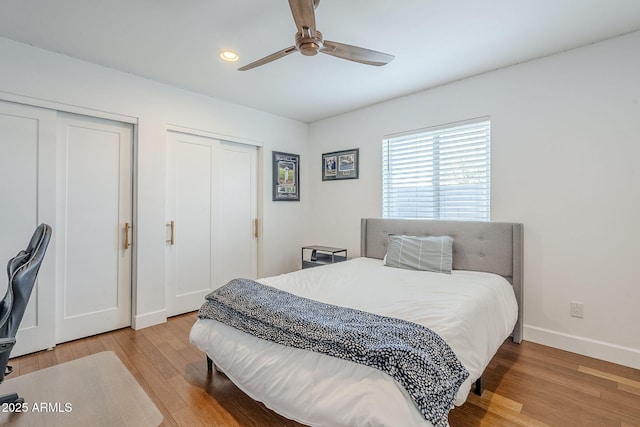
{"points": [[451, 163]]}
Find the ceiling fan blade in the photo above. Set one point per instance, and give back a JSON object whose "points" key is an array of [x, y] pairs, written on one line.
{"points": [[356, 54], [269, 58], [304, 15]]}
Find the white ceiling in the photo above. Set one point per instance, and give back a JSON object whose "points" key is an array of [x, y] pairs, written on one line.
{"points": [[435, 41]]}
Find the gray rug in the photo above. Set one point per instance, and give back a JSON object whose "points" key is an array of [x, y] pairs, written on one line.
{"points": [[96, 390]]}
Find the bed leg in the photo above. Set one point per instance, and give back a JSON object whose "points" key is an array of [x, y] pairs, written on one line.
{"points": [[209, 364], [478, 387]]}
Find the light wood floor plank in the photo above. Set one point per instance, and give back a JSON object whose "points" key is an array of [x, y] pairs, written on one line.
{"points": [[611, 377]]}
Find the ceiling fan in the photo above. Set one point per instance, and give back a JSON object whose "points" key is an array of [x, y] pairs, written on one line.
{"points": [[309, 41]]}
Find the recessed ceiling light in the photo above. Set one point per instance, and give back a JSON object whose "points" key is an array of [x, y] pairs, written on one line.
{"points": [[229, 56]]}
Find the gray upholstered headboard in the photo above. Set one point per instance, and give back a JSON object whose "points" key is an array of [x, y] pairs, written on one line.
{"points": [[494, 247]]}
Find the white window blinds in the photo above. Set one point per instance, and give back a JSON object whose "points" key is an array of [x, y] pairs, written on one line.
{"points": [[438, 173]]}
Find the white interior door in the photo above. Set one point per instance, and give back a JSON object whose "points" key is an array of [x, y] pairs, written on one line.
{"points": [[235, 213], [27, 191], [189, 267], [212, 199], [95, 216]]}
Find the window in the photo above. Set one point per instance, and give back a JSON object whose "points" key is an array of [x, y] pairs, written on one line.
{"points": [[438, 173]]}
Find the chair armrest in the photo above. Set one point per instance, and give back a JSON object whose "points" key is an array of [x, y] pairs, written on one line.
{"points": [[6, 344]]}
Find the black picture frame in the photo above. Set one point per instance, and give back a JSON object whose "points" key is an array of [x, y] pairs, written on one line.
{"points": [[343, 164], [286, 177]]}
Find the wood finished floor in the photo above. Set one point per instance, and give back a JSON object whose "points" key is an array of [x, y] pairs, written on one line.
{"points": [[525, 385]]}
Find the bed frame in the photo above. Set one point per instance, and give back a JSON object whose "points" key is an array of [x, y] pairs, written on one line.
{"points": [[493, 247]]}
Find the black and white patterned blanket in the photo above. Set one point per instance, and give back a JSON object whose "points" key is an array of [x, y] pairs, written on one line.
{"points": [[413, 355]]}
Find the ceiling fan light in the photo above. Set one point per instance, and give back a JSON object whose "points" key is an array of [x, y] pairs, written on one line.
{"points": [[229, 56]]}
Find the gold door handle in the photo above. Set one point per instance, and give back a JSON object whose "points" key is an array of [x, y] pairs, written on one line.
{"points": [[255, 222], [172, 226], [126, 235]]}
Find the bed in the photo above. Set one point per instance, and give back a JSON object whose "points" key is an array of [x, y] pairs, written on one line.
{"points": [[473, 309]]}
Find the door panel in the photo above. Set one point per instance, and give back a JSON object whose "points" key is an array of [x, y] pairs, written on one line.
{"points": [[189, 204], [236, 211], [193, 214], [212, 197], [94, 206], [27, 191]]}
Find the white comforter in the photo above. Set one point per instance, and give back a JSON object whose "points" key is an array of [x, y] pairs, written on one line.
{"points": [[473, 312]]}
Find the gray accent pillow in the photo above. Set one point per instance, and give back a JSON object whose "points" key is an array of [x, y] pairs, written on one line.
{"points": [[424, 253]]}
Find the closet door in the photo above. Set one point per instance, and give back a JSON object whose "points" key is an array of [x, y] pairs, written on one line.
{"points": [[212, 202], [27, 192], [95, 226], [235, 212]]}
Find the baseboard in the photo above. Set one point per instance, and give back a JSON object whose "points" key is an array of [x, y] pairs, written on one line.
{"points": [[149, 319], [598, 349]]}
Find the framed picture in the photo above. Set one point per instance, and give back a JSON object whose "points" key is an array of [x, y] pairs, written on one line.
{"points": [[340, 165], [286, 177]]}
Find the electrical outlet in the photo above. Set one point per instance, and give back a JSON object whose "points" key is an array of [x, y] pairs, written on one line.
{"points": [[577, 309]]}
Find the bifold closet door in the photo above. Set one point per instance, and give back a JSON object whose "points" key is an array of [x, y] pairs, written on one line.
{"points": [[27, 192], [211, 217], [95, 227]]}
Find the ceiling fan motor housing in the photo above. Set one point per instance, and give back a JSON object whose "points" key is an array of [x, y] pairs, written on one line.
{"points": [[309, 44]]}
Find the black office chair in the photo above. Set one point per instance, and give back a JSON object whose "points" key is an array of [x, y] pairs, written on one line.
{"points": [[22, 271]]}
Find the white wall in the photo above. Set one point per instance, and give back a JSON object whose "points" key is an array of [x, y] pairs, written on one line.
{"points": [[565, 162], [44, 78]]}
